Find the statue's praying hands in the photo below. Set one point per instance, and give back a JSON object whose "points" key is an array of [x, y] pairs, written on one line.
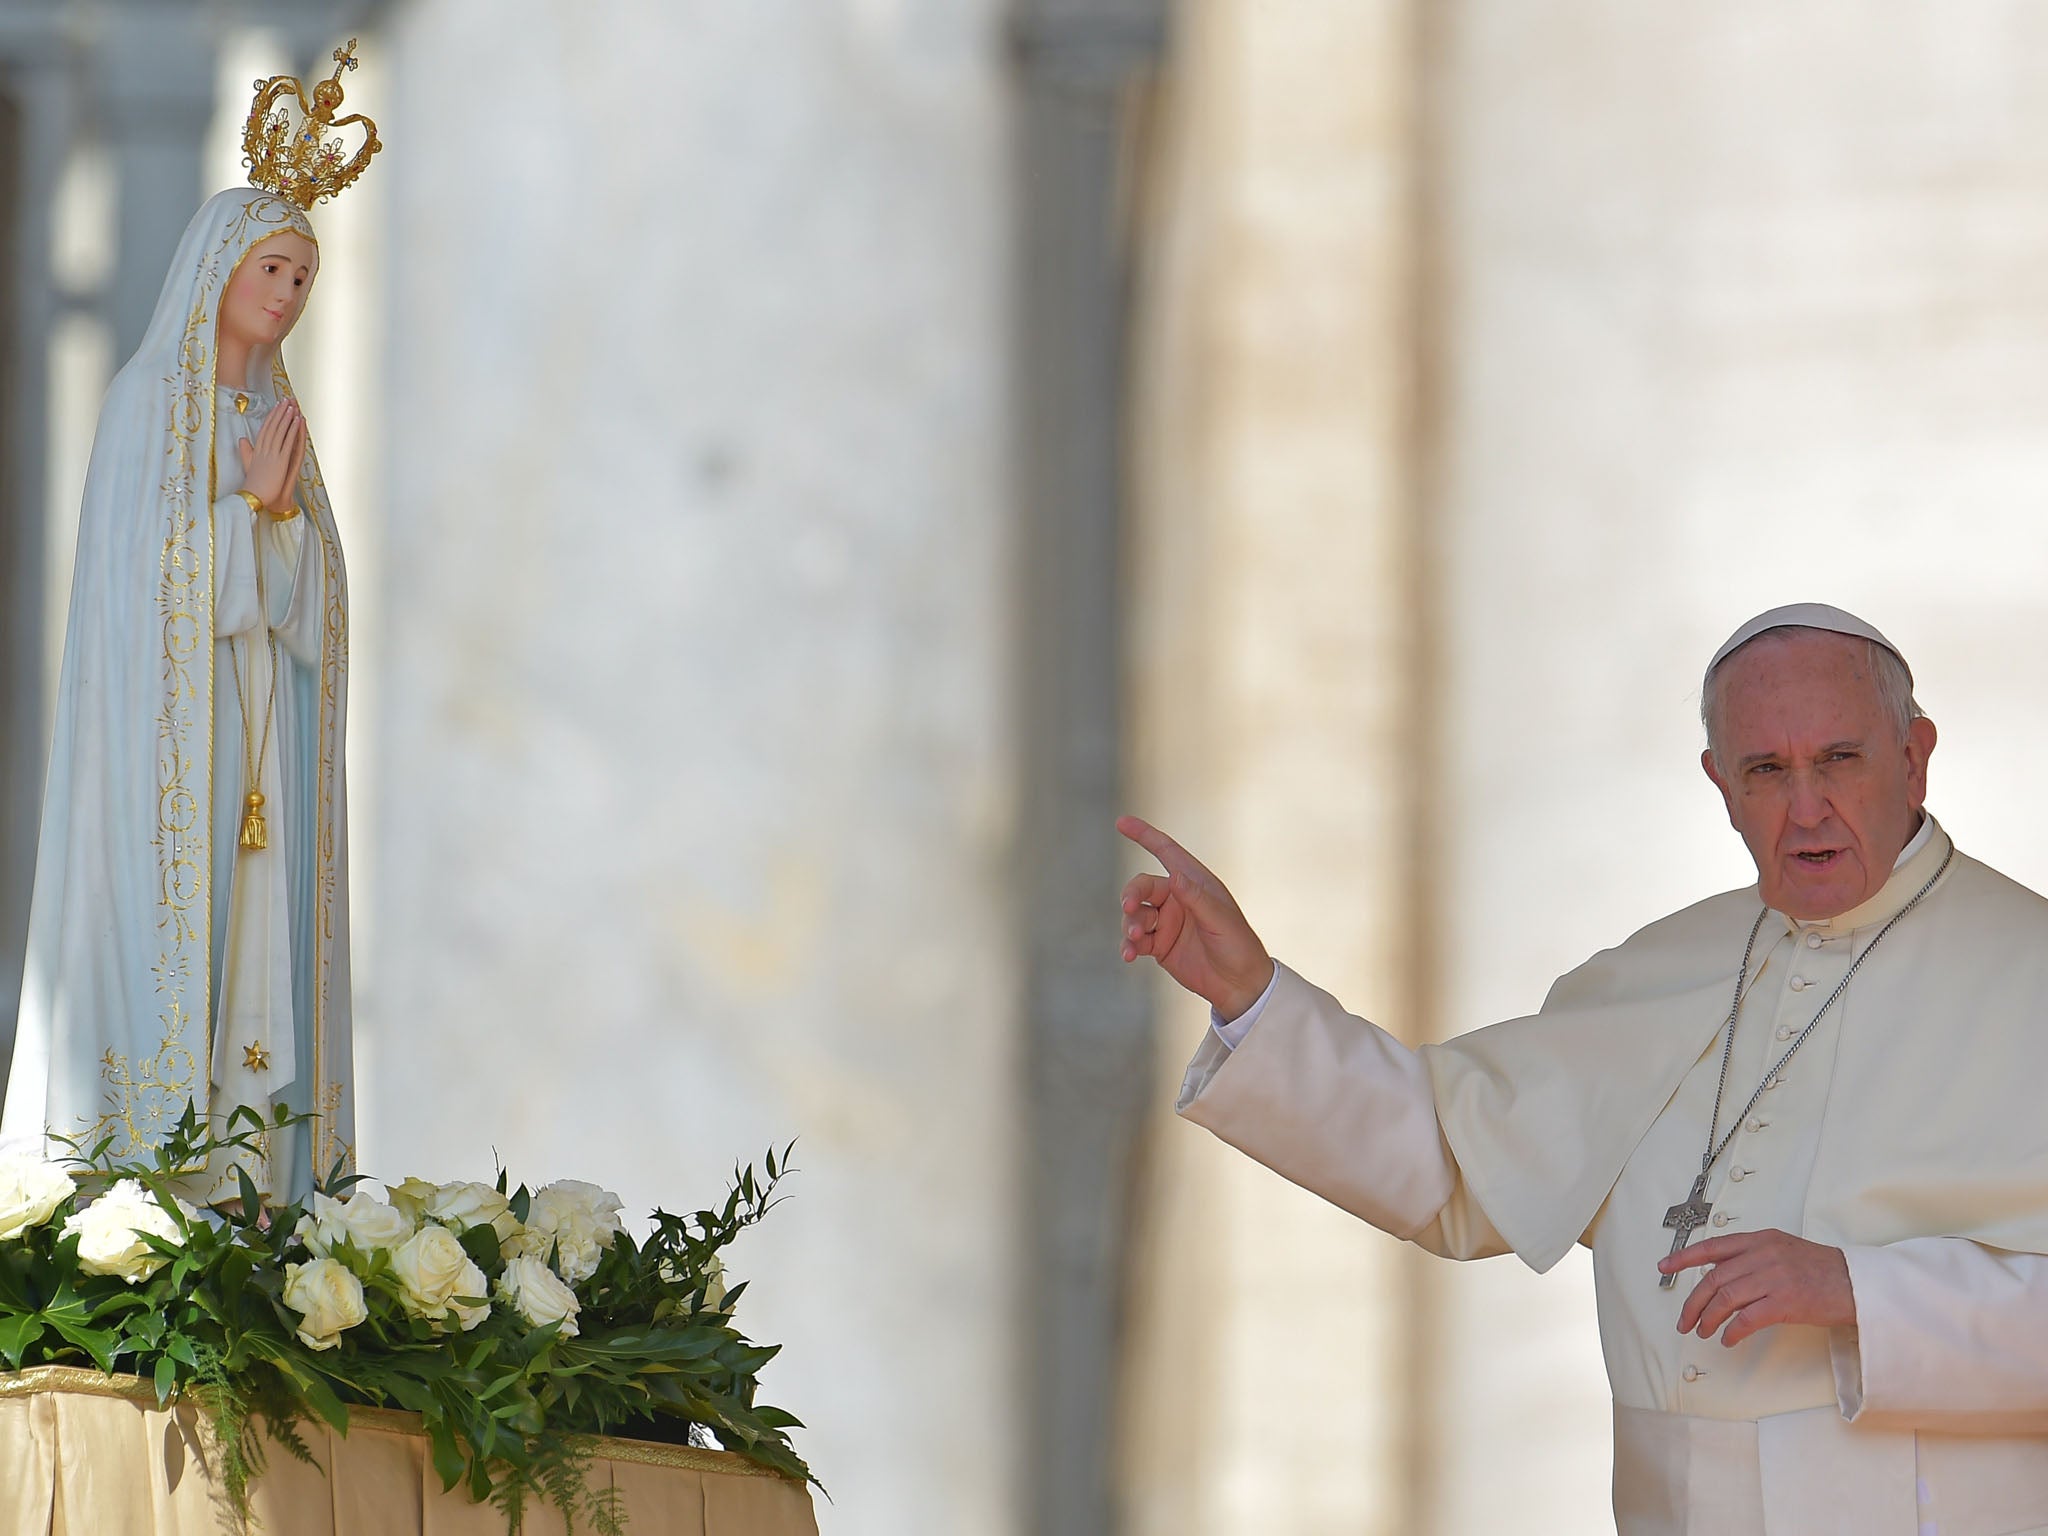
{"points": [[1187, 921], [271, 462]]}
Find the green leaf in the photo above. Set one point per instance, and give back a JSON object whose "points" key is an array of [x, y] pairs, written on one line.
{"points": [[326, 1404], [448, 1460], [318, 1395], [17, 1333], [166, 1379], [481, 1244], [100, 1343], [411, 1393], [252, 1204], [126, 1300]]}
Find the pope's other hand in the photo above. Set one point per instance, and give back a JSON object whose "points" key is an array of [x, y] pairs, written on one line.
{"points": [[1759, 1279], [1187, 921]]}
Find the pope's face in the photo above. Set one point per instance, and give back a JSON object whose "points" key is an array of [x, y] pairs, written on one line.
{"points": [[268, 290], [1814, 774]]}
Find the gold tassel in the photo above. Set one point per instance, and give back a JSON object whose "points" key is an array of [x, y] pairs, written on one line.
{"points": [[255, 831]]}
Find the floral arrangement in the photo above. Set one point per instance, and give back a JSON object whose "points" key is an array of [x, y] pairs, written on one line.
{"points": [[516, 1324]]}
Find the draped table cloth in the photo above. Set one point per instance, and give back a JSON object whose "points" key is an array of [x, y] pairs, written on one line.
{"points": [[83, 1454]]}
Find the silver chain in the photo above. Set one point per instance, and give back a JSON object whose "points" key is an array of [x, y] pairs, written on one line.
{"points": [[1713, 1153]]}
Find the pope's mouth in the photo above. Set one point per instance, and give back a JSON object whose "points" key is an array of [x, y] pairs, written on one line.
{"points": [[1817, 858]]}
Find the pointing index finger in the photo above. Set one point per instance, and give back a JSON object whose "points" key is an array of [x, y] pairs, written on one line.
{"points": [[1178, 860]]}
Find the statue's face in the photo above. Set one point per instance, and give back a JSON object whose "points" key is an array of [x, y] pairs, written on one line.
{"points": [[1814, 773], [268, 290]]}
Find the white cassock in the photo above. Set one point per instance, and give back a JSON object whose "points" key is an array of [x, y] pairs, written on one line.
{"points": [[167, 967], [1910, 1130]]}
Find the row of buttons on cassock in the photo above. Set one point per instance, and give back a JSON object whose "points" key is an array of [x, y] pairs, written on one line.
{"points": [[1752, 1125]]}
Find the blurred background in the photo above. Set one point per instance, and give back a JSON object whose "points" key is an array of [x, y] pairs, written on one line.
{"points": [[805, 465]]}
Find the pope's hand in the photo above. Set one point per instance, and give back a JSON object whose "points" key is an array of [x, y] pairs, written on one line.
{"points": [[270, 463], [1187, 921], [1760, 1279]]}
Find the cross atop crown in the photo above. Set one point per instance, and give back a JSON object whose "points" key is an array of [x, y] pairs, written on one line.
{"points": [[302, 162]]}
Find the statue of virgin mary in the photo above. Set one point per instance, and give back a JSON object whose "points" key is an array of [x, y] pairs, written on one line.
{"points": [[188, 933]]}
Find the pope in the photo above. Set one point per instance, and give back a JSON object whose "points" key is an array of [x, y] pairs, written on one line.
{"points": [[1798, 1125]]}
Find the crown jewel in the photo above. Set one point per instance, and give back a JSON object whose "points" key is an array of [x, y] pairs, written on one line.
{"points": [[303, 163]]}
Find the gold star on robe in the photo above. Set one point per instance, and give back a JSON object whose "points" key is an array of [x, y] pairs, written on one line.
{"points": [[255, 1058]]}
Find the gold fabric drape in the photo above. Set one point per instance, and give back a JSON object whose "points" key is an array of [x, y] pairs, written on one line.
{"points": [[83, 1454]]}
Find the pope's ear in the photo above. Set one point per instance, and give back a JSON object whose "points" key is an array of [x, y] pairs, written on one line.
{"points": [[1920, 739], [1714, 773]]}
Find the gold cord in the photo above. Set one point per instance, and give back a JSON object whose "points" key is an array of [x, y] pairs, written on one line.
{"points": [[255, 830]]}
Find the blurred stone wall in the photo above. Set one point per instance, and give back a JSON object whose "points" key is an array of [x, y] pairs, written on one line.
{"points": [[690, 754]]}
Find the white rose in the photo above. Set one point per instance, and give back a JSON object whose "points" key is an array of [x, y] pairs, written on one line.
{"points": [[411, 1197], [471, 1303], [463, 1206], [320, 1227], [327, 1296], [363, 1219], [110, 1232], [536, 1295], [372, 1223], [581, 1218], [30, 1192], [599, 1206], [433, 1270]]}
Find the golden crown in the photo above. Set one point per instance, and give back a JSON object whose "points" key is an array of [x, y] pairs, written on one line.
{"points": [[304, 164]]}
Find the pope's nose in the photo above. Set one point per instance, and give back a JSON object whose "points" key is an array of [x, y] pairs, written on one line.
{"points": [[1808, 806]]}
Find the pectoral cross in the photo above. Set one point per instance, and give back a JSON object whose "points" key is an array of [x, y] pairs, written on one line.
{"points": [[1685, 1219]]}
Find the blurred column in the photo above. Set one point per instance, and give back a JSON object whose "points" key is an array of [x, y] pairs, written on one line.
{"points": [[1088, 1045], [1283, 1361], [35, 122], [156, 87]]}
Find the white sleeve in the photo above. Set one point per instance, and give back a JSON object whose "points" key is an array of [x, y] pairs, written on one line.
{"points": [[1949, 1336], [1339, 1106], [296, 587], [1232, 1034], [236, 609]]}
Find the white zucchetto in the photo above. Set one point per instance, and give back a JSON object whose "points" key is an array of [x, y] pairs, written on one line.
{"points": [[1806, 616]]}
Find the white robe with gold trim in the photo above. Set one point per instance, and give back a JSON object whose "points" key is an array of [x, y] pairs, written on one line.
{"points": [[165, 968]]}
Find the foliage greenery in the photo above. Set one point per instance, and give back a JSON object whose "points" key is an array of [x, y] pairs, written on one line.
{"points": [[508, 1407]]}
